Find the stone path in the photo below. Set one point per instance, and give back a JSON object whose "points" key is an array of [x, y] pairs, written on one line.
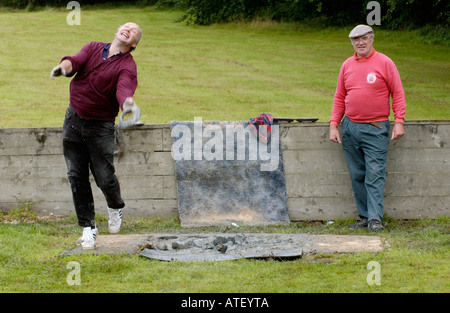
{"points": [[229, 246]]}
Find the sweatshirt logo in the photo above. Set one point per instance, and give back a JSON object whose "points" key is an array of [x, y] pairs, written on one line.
{"points": [[371, 78]]}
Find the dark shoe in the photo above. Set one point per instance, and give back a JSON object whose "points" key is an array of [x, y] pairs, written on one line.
{"points": [[361, 224], [375, 225]]}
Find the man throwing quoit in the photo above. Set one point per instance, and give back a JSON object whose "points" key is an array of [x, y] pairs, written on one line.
{"points": [[365, 83], [105, 81]]}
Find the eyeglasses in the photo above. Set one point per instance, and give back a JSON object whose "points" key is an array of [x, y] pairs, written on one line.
{"points": [[358, 39]]}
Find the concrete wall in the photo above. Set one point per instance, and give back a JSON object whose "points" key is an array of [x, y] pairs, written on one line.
{"points": [[418, 172]]}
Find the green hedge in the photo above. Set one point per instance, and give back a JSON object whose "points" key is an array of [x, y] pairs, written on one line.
{"points": [[395, 14], [22, 4]]}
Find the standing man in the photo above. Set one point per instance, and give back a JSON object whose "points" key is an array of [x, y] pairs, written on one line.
{"points": [[365, 84], [105, 81]]}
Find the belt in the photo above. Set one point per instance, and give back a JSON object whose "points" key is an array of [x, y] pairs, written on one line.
{"points": [[376, 125]]}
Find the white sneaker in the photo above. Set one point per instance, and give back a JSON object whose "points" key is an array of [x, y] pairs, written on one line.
{"points": [[115, 220], [88, 239]]}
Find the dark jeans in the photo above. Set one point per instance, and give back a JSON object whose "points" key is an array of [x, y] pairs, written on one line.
{"points": [[89, 144], [365, 149]]}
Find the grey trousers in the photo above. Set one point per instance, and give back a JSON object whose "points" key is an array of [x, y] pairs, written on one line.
{"points": [[365, 149]]}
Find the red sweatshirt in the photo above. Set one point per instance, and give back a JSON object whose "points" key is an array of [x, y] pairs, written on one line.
{"points": [[364, 88], [100, 86]]}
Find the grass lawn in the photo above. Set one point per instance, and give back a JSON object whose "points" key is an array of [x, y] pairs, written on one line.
{"points": [[417, 260], [219, 72]]}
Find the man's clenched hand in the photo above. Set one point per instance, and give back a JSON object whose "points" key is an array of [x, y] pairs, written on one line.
{"points": [[57, 71]]}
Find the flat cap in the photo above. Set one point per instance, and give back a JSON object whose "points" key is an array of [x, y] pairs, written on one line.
{"points": [[360, 30]]}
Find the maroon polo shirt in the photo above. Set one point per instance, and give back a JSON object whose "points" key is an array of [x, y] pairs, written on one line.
{"points": [[101, 85]]}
